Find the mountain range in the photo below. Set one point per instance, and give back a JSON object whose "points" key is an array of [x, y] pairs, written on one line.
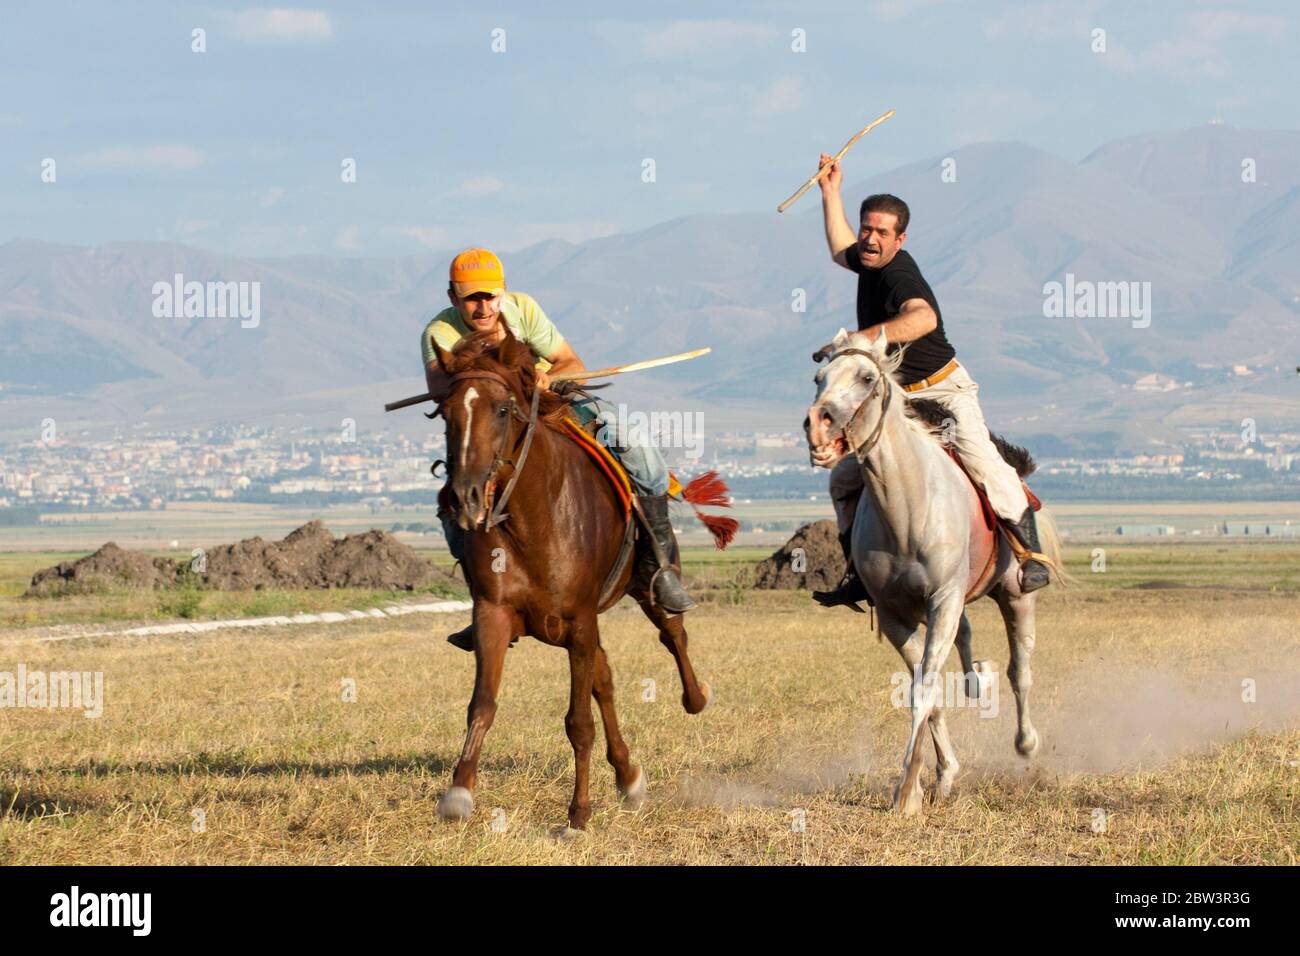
{"points": [[1210, 217]]}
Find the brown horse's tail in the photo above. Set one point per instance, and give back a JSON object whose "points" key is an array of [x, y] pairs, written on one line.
{"points": [[709, 489]]}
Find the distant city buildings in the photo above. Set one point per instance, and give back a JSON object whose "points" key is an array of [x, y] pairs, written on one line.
{"points": [[132, 471]]}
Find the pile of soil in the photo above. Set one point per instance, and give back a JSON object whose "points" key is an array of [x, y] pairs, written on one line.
{"points": [[811, 560], [110, 566], [308, 558]]}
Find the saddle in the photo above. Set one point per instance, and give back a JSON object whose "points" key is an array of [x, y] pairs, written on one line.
{"points": [[983, 568], [609, 466]]}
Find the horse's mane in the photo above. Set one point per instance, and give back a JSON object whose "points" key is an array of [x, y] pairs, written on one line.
{"points": [[513, 361], [929, 417]]}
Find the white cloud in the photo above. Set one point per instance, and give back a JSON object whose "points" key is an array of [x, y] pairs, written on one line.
{"points": [[893, 10], [271, 197], [480, 186], [348, 238], [176, 157], [190, 227], [431, 237], [702, 38], [1044, 21], [780, 96], [1197, 44], [280, 24]]}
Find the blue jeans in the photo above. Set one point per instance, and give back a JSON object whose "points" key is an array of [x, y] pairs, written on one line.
{"points": [[644, 462]]}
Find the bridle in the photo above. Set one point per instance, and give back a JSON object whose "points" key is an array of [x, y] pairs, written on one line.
{"points": [[881, 377], [497, 509]]}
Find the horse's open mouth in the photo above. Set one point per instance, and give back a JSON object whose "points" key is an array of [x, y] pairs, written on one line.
{"points": [[831, 452]]}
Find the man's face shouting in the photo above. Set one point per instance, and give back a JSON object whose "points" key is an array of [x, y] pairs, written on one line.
{"points": [[879, 240]]}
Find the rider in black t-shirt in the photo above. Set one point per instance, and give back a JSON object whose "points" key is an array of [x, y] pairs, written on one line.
{"points": [[895, 301]]}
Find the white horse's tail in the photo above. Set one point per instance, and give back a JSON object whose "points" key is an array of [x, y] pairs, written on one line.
{"points": [[1050, 540]]}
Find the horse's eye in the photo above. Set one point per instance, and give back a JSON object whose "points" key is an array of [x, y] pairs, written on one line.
{"points": [[503, 410]]}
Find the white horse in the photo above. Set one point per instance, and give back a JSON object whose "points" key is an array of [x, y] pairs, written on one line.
{"points": [[921, 546]]}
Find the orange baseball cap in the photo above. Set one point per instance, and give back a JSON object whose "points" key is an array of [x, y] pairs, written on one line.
{"points": [[477, 270]]}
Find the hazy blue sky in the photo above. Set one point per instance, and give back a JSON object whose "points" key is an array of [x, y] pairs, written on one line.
{"points": [[239, 149]]}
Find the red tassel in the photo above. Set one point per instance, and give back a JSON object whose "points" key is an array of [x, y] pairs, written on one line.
{"points": [[707, 489], [722, 528]]}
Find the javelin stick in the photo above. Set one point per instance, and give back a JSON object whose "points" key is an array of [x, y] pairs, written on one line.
{"points": [[834, 159], [633, 367], [582, 376]]}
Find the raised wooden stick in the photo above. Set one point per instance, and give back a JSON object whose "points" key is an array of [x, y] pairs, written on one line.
{"points": [[834, 159]]}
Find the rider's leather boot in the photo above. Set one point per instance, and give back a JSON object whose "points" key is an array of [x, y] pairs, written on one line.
{"points": [[654, 570], [1033, 573], [850, 589]]}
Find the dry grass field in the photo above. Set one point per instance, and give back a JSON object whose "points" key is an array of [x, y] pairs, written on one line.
{"points": [[1138, 696]]}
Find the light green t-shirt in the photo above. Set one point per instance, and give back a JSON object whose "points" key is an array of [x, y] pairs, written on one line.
{"points": [[522, 315]]}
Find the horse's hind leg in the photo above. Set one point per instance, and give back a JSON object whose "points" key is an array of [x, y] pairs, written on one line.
{"points": [[584, 642], [492, 633], [696, 694], [629, 777], [907, 641], [1018, 615]]}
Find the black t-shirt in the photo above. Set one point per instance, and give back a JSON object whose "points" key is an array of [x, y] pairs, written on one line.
{"points": [[881, 294]]}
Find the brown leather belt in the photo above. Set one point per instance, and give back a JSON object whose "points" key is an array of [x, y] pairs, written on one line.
{"points": [[934, 379]]}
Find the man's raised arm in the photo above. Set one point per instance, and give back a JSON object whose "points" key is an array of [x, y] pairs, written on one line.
{"points": [[840, 237]]}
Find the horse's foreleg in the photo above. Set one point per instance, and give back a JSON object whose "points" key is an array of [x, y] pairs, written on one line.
{"points": [[629, 777], [492, 633], [927, 692], [584, 642], [1018, 615], [696, 694], [910, 646]]}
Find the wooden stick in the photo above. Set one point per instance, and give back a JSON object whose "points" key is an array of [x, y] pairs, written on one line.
{"points": [[834, 159], [633, 367], [577, 376]]}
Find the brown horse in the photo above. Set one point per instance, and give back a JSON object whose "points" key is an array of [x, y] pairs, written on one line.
{"points": [[542, 569]]}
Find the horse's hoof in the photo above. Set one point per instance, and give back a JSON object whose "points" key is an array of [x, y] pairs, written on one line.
{"points": [[1027, 744], [456, 804], [634, 796], [705, 690], [913, 805], [566, 834]]}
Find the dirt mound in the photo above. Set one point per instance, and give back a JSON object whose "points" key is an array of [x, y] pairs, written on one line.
{"points": [[110, 566], [812, 559], [308, 558]]}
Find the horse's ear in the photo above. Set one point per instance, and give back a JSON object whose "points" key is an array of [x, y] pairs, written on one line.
{"points": [[442, 356], [841, 337], [508, 350]]}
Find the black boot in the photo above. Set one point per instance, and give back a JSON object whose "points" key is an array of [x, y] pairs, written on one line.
{"points": [[464, 638], [1033, 573], [850, 590], [654, 571]]}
